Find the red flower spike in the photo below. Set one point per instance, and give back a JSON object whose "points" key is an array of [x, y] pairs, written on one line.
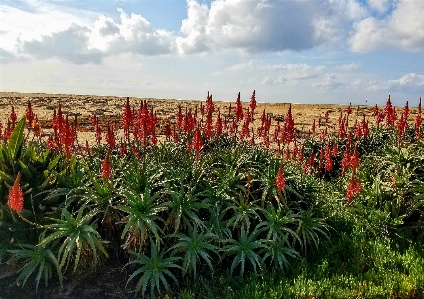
{"points": [[13, 116], [335, 150], [405, 111], [218, 126], [127, 118], [375, 111], [122, 149], [280, 181], [312, 160], [354, 159], [238, 109], [345, 161], [253, 103], [197, 142], [210, 108], [354, 188], [349, 109], [328, 159], [29, 114], [106, 169], [110, 137], [16, 197]]}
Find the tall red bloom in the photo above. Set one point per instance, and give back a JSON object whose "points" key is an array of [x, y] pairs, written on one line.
{"points": [[238, 109], [354, 187], [218, 125], [127, 118], [252, 104], [13, 116], [110, 137], [280, 181], [210, 107], [29, 113], [197, 142], [354, 159], [16, 197], [106, 169], [349, 109]]}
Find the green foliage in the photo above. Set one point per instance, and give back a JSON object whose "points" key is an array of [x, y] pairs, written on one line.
{"points": [[245, 249], [37, 259], [78, 237], [142, 218], [193, 246], [154, 270]]}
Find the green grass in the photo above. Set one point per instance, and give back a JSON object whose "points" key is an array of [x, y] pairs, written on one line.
{"points": [[342, 268]]}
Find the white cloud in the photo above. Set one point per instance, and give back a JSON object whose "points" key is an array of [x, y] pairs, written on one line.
{"points": [[193, 28], [410, 82], [379, 5], [403, 29], [33, 19], [289, 73], [347, 67], [264, 25], [328, 82], [137, 36], [90, 44], [68, 45]]}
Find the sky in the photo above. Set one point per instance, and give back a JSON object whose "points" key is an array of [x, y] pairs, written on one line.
{"points": [[297, 51]]}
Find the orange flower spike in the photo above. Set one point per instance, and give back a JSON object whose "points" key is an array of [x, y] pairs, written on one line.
{"points": [[16, 197], [280, 181], [106, 169]]}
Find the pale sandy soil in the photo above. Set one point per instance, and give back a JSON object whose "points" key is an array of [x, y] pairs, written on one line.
{"points": [[109, 109]]}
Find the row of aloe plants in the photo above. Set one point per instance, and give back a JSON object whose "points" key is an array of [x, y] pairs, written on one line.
{"points": [[169, 211]]}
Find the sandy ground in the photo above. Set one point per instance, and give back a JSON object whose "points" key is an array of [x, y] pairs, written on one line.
{"points": [[109, 109]]}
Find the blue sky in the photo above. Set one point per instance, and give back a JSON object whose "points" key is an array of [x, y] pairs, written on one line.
{"points": [[300, 51]]}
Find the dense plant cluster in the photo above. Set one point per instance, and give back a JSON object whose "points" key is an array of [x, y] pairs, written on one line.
{"points": [[200, 194]]}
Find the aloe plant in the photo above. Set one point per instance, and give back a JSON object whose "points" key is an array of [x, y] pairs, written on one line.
{"points": [[142, 217], [154, 270], [38, 260], [194, 245], [78, 236], [244, 250]]}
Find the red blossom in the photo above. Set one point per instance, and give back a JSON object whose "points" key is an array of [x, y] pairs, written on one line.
{"points": [[13, 116], [110, 137], [218, 125], [127, 118], [354, 188], [197, 142], [16, 197], [210, 108], [280, 181], [29, 114], [349, 109], [106, 169], [354, 159], [238, 109], [252, 104]]}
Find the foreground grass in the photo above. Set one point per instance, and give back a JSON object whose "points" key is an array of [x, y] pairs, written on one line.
{"points": [[343, 268]]}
